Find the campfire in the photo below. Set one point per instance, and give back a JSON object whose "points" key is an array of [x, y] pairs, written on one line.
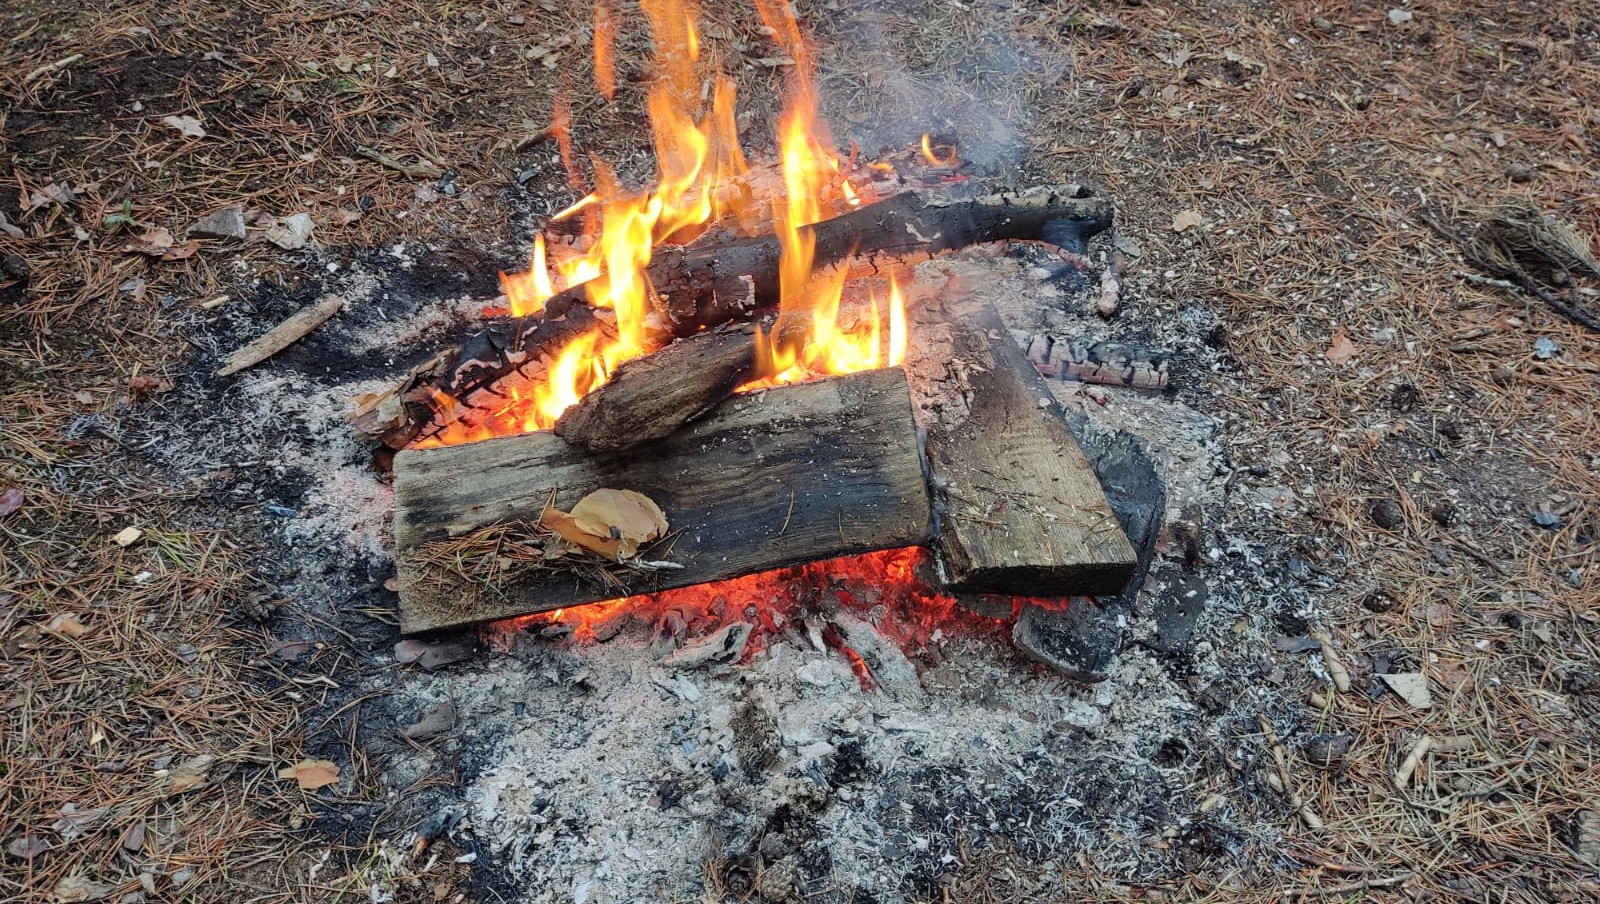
{"points": [[742, 370]]}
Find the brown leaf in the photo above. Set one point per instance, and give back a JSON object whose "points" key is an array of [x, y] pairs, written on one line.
{"points": [[626, 516], [344, 216], [67, 625], [182, 252], [1341, 350], [311, 774], [1452, 676], [10, 500], [145, 384], [155, 242]]}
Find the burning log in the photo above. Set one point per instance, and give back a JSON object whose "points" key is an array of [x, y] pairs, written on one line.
{"points": [[770, 479], [650, 397], [1019, 507], [735, 281]]}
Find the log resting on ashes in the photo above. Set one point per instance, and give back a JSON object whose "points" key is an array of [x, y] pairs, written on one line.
{"points": [[1020, 510], [709, 283], [770, 479]]}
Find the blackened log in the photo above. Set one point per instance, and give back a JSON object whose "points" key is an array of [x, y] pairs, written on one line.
{"points": [[648, 398], [702, 287]]}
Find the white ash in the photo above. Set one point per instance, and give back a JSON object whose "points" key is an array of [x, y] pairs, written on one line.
{"points": [[589, 772]]}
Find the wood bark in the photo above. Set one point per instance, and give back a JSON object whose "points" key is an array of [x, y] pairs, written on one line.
{"points": [[770, 479], [650, 397], [1020, 511], [706, 285]]}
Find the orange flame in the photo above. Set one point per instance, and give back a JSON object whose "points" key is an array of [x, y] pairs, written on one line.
{"points": [[700, 179], [952, 161]]}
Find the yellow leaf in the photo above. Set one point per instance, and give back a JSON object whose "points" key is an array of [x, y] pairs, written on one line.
{"points": [[311, 774], [626, 516]]}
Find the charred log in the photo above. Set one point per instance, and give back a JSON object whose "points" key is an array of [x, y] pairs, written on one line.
{"points": [[736, 281], [650, 397]]}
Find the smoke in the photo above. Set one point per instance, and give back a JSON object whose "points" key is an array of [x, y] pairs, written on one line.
{"points": [[974, 73]]}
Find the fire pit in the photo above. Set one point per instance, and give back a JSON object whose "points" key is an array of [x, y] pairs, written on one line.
{"points": [[714, 382]]}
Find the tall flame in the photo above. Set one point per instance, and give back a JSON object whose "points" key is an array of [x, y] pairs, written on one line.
{"points": [[701, 178]]}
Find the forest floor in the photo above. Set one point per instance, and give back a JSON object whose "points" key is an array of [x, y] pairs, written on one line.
{"points": [[1426, 441]]}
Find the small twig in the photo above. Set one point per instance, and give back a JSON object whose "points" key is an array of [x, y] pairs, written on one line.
{"points": [[1408, 766], [1308, 815], [422, 170], [1348, 887], [48, 68], [1336, 669]]}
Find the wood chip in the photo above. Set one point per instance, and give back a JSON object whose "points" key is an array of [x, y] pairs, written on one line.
{"points": [[282, 336], [128, 536], [1411, 687]]}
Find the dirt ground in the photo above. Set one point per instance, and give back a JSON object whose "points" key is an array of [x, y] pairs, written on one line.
{"points": [[1418, 449]]}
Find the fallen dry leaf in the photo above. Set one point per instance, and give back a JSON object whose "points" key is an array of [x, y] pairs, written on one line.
{"points": [[1188, 219], [81, 888], [190, 774], [66, 624], [1341, 350], [27, 847], [437, 720], [187, 126], [10, 500], [567, 527], [311, 774], [182, 252], [435, 654], [145, 384], [626, 516], [1452, 676], [155, 241], [1411, 687]]}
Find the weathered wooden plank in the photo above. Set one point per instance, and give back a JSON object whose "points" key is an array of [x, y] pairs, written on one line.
{"points": [[770, 479], [1020, 509]]}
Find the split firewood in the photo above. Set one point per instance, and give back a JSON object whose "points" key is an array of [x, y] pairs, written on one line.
{"points": [[709, 284], [791, 475], [650, 397], [282, 336], [1021, 511]]}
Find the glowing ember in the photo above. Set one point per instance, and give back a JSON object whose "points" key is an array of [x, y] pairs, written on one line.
{"points": [[883, 587], [701, 179]]}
